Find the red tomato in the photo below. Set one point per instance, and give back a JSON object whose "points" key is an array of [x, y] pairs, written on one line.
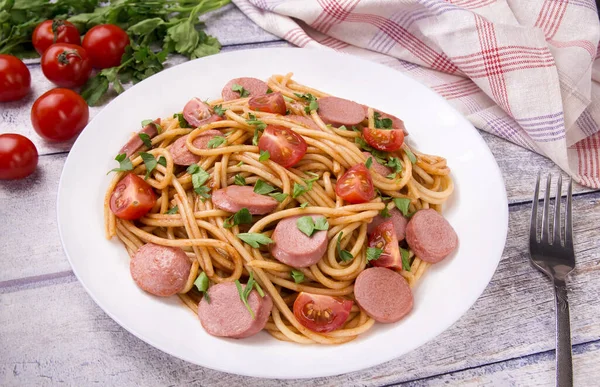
{"points": [[355, 186], [284, 145], [54, 31], [132, 198], [59, 114], [67, 65], [321, 313], [15, 80], [18, 156], [387, 140], [268, 103], [384, 237], [105, 44]]}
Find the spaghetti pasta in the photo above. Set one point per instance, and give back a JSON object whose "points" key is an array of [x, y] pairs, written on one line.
{"points": [[213, 245]]}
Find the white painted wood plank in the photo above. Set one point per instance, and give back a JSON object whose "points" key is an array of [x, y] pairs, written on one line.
{"points": [[514, 317], [232, 27], [533, 371]]}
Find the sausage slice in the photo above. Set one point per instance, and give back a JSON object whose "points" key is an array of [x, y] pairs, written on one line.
{"points": [[227, 316], [160, 270], [397, 219], [295, 248], [252, 85], [383, 294], [182, 155], [430, 236], [304, 121], [198, 113], [234, 197], [380, 169], [338, 111], [135, 142]]}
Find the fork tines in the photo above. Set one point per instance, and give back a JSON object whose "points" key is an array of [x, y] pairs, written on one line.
{"points": [[556, 227]]}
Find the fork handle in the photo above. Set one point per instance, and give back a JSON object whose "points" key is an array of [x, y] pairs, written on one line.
{"points": [[564, 363]]}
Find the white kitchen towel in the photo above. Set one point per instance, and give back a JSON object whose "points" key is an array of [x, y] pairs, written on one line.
{"points": [[524, 70]]}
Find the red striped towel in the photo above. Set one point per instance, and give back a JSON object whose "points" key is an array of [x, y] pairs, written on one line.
{"points": [[524, 70]]}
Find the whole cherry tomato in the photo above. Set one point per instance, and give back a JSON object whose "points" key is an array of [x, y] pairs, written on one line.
{"points": [[105, 44], [54, 31], [67, 65], [18, 156], [15, 79], [59, 114]]}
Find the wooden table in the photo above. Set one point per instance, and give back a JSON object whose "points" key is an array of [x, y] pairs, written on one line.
{"points": [[52, 332]]}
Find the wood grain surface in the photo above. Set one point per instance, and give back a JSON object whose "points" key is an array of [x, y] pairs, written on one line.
{"points": [[51, 331]]}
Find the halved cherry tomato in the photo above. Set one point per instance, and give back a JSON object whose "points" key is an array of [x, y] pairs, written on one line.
{"points": [[15, 79], [198, 113], [18, 156], [105, 44], [59, 114], [285, 146], [384, 237], [54, 31], [268, 103], [387, 140], [321, 313], [67, 65], [132, 198], [355, 186]]}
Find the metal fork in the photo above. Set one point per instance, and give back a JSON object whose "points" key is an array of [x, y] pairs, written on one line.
{"points": [[556, 259]]}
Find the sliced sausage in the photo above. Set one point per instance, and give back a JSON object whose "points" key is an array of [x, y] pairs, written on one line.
{"points": [[227, 316], [381, 169], [135, 142], [305, 121], [295, 248], [254, 86], [198, 113], [430, 236], [338, 111], [397, 219], [182, 155], [397, 123], [234, 197], [383, 294], [160, 270]]}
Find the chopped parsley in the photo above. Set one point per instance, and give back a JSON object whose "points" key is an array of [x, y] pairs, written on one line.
{"points": [[311, 100], [150, 163], [297, 275], [244, 293], [216, 142], [182, 121], [199, 178], [264, 155], [240, 89], [218, 109], [262, 188], [243, 216], [402, 204], [255, 239], [382, 123], [124, 164], [173, 210], [239, 180], [308, 226], [202, 285], [145, 139], [405, 260], [344, 255], [373, 253]]}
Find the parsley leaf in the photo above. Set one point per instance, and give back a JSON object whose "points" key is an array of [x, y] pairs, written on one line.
{"points": [[385, 213], [239, 180], [373, 253], [240, 89], [202, 284], [411, 156], [124, 164], [159, 128], [382, 123], [321, 224], [255, 239], [304, 205], [259, 127], [402, 204], [243, 216], [298, 276], [369, 162], [199, 178], [145, 139], [162, 161], [182, 121], [245, 292], [308, 226], [298, 190], [244, 299], [216, 142], [173, 210], [312, 102], [405, 260], [344, 255], [218, 109], [150, 163], [262, 188], [279, 196], [264, 156], [396, 165]]}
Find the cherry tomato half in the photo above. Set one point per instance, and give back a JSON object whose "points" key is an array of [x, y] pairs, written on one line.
{"points": [[59, 114], [268, 103], [384, 237], [198, 113], [105, 44], [132, 198], [285, 146], [355, 186], [18, 156], [54, 31], [321, 313], [15, 79], [67, 65], [387, 140]]}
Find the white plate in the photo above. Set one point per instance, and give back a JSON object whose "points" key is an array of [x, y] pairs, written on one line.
{"points": [[478, 211]]}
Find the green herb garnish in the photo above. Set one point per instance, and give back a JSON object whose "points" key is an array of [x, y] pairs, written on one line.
{"points": [[373, 253], [264, 156], [124, 163], [243, 216], [308, 226], [344, 255], [402, 204], [298, 276], [405, 260], [240, 89], [202, 285], [255, 239], [216, 142], [239, 180], [173, 210]]}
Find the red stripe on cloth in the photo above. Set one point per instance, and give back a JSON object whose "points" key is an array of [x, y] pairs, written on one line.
{"points": [[298, 37], [471, 4], [333, 43], [544, 12], [493, 63], [452, 86], [335, 11], [511, 49], [585, 44], [557, 20]]}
